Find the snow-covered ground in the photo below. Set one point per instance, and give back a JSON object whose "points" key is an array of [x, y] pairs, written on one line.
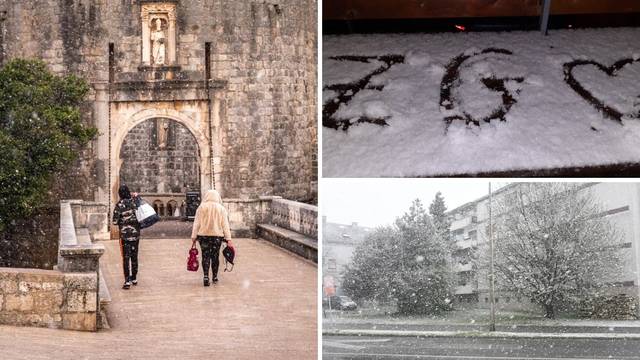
{"points": [[462, 103]]}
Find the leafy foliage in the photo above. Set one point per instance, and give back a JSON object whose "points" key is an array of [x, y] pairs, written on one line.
{"points": [[41, 132], [406, 263], [554, 245]]}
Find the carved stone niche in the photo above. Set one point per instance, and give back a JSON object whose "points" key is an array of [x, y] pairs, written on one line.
{"points": [[158, 33]]}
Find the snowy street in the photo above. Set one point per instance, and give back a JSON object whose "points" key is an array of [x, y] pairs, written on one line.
{"points": [[365, 347], [481, 103]]}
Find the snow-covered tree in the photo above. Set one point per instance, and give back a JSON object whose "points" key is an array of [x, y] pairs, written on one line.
{"points": [[437, 210], [366, 277], [423, 284], [553, 244], [405, 264]]}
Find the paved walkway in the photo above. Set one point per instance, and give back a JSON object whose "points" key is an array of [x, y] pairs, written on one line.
{"points": [[264, 309]]}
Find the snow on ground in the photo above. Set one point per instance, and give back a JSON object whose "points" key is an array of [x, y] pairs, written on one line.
{"points": [[417, 114]]}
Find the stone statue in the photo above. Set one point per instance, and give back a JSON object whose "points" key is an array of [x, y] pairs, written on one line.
{"points": [[163, 133], [157, 43]]}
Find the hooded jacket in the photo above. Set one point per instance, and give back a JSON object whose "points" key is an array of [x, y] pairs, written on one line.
{"points": [[211, 217]]}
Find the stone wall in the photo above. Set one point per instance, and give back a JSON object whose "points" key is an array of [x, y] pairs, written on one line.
{"points": [[148, 168], [244, 215], [67, 297], [263, 51], [48, 298]]}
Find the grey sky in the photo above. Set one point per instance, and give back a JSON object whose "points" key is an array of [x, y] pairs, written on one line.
{"points": [[373, 202]]}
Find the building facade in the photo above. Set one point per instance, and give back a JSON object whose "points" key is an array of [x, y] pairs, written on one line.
{"points": [[186, 94], [338, 243], [470, 228]]}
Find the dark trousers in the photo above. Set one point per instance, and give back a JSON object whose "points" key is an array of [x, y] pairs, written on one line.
{"points": [[210, 247], [130, 255]]}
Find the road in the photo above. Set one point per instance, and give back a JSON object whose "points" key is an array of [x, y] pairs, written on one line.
{"points": [[365, 347]]}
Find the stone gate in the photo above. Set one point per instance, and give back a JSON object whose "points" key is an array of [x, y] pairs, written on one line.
{"points": [[239, 75]]}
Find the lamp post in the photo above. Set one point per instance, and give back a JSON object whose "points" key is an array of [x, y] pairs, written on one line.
{"points": [[544, 16], [492, 326]]}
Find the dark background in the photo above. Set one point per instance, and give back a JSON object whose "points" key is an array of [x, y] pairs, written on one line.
{"points": [[380, 16]]}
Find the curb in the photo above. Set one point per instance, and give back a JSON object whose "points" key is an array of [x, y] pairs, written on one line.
{"points": [[480, 334]]}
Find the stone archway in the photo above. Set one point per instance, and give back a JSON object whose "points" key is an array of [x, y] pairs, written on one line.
{"points": [[121, 126], [160, 159]]}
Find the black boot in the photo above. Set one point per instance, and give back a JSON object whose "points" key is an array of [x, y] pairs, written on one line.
{"points": [[206, 281]]}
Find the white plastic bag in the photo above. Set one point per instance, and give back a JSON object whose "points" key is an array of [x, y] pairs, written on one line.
{"points": [[145, 214]]}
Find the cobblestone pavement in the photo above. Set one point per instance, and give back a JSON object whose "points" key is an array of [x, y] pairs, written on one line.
{"points": [[264, 309]]}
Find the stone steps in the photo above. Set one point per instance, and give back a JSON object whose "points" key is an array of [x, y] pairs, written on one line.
{"points": [[297, 243]]}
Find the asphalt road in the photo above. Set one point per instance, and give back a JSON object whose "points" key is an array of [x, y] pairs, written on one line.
{"points": [[364, 347]]}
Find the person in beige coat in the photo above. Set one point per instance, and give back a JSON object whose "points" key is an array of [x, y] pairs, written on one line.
{"points": [[210, 228]]}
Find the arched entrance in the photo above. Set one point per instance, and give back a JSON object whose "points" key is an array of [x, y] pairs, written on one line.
{"points": [[161, 153], [160, 160]]}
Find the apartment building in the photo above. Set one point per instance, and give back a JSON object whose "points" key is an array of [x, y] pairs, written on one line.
{"points": [[339, 241], [470, 228]]}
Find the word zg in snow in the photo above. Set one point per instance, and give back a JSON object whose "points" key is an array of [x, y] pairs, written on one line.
{"points": [[612, 71], [451, 81], [346, 92]]}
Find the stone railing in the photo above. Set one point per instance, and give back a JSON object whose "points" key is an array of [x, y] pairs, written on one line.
{"points": [[299, 217], [245, 214], [93, 216], [66, 297]]}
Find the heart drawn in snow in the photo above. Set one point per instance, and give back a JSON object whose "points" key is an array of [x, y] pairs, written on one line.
{"points": [[611, 71]]}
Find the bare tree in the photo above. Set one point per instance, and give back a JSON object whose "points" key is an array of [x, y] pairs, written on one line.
{"points": [[554, 244]]}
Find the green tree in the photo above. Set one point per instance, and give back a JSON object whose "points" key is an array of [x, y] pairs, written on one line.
{"points": [[41, 132]]}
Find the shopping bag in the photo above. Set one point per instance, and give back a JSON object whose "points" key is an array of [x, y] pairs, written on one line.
{"points": [[145, 214], [192, 260]]}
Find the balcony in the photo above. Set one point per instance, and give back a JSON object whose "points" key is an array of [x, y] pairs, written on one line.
{"points": [[461, 223], [462, 268], [466, 244], [465, 290]]}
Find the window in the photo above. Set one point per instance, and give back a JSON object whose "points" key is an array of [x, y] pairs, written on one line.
{"points": [[158, 206], [486, 300], [172, 208], [331, 264]]}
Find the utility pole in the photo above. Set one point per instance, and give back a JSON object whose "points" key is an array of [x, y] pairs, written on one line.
{"points": [[492, 326]]}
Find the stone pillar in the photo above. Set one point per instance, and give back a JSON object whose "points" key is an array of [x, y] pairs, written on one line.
{"points": [[171, 48], [146, 45], [101, 118]]}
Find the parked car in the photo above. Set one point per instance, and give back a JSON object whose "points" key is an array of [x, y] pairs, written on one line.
{"points": [[342, 303]]}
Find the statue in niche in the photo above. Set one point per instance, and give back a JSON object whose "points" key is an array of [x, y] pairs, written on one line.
{"points": [[158, 43], [162, 133]]}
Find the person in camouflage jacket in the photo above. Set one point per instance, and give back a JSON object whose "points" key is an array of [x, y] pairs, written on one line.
{"points": [[124, 215]]}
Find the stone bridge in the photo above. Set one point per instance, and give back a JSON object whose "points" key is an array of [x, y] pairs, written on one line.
{"points": [[266, 307]]}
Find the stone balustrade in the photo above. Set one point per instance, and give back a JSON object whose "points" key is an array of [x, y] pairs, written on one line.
{"points": [[299, 217], [292, 226], [66, 297]]}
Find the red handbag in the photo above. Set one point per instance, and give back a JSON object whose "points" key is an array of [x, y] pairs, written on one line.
{"points": [[192, 260]]}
